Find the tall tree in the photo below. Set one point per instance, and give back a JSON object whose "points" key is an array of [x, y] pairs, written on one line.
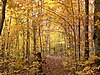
{"points": [[86, 54], [28, 39], [3, 15], [96, 36], [79, 27]]}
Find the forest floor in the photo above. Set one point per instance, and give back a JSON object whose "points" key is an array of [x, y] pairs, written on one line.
{"points": [[54, 65]]}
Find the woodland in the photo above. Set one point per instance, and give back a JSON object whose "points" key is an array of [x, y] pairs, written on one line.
{"points": [[49, 37]]}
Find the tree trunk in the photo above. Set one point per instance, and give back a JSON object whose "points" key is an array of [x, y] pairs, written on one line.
{"points": [[3, 15], [79, 29], [96, 36], [28, 40], [23, 44], [34, 32], [86, 54]]}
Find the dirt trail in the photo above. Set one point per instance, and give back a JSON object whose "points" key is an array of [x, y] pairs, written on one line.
{"points": [[54, 66]]}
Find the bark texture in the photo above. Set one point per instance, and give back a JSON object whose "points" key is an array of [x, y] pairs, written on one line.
{"points": [[86, 54], [96, 36], [3, 15]]}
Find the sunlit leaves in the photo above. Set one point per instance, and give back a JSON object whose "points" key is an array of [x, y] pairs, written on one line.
{"points": [[97, 14], [51, 19]]}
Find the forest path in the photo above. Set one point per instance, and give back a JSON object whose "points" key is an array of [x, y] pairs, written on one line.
{"points": [[54, 66]]}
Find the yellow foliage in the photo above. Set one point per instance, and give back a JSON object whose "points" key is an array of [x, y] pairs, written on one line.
{"points": [[98, 14], [97, 23]]}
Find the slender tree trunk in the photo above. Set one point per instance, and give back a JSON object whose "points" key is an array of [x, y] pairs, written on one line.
{"points": [[79, 28], [86, 53], [34, 32], [75, 50], [8, 48], [3, 14], [28, 40], [40, 38], [74, 32], [23, 44], [28, 43], [96, 36]]}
